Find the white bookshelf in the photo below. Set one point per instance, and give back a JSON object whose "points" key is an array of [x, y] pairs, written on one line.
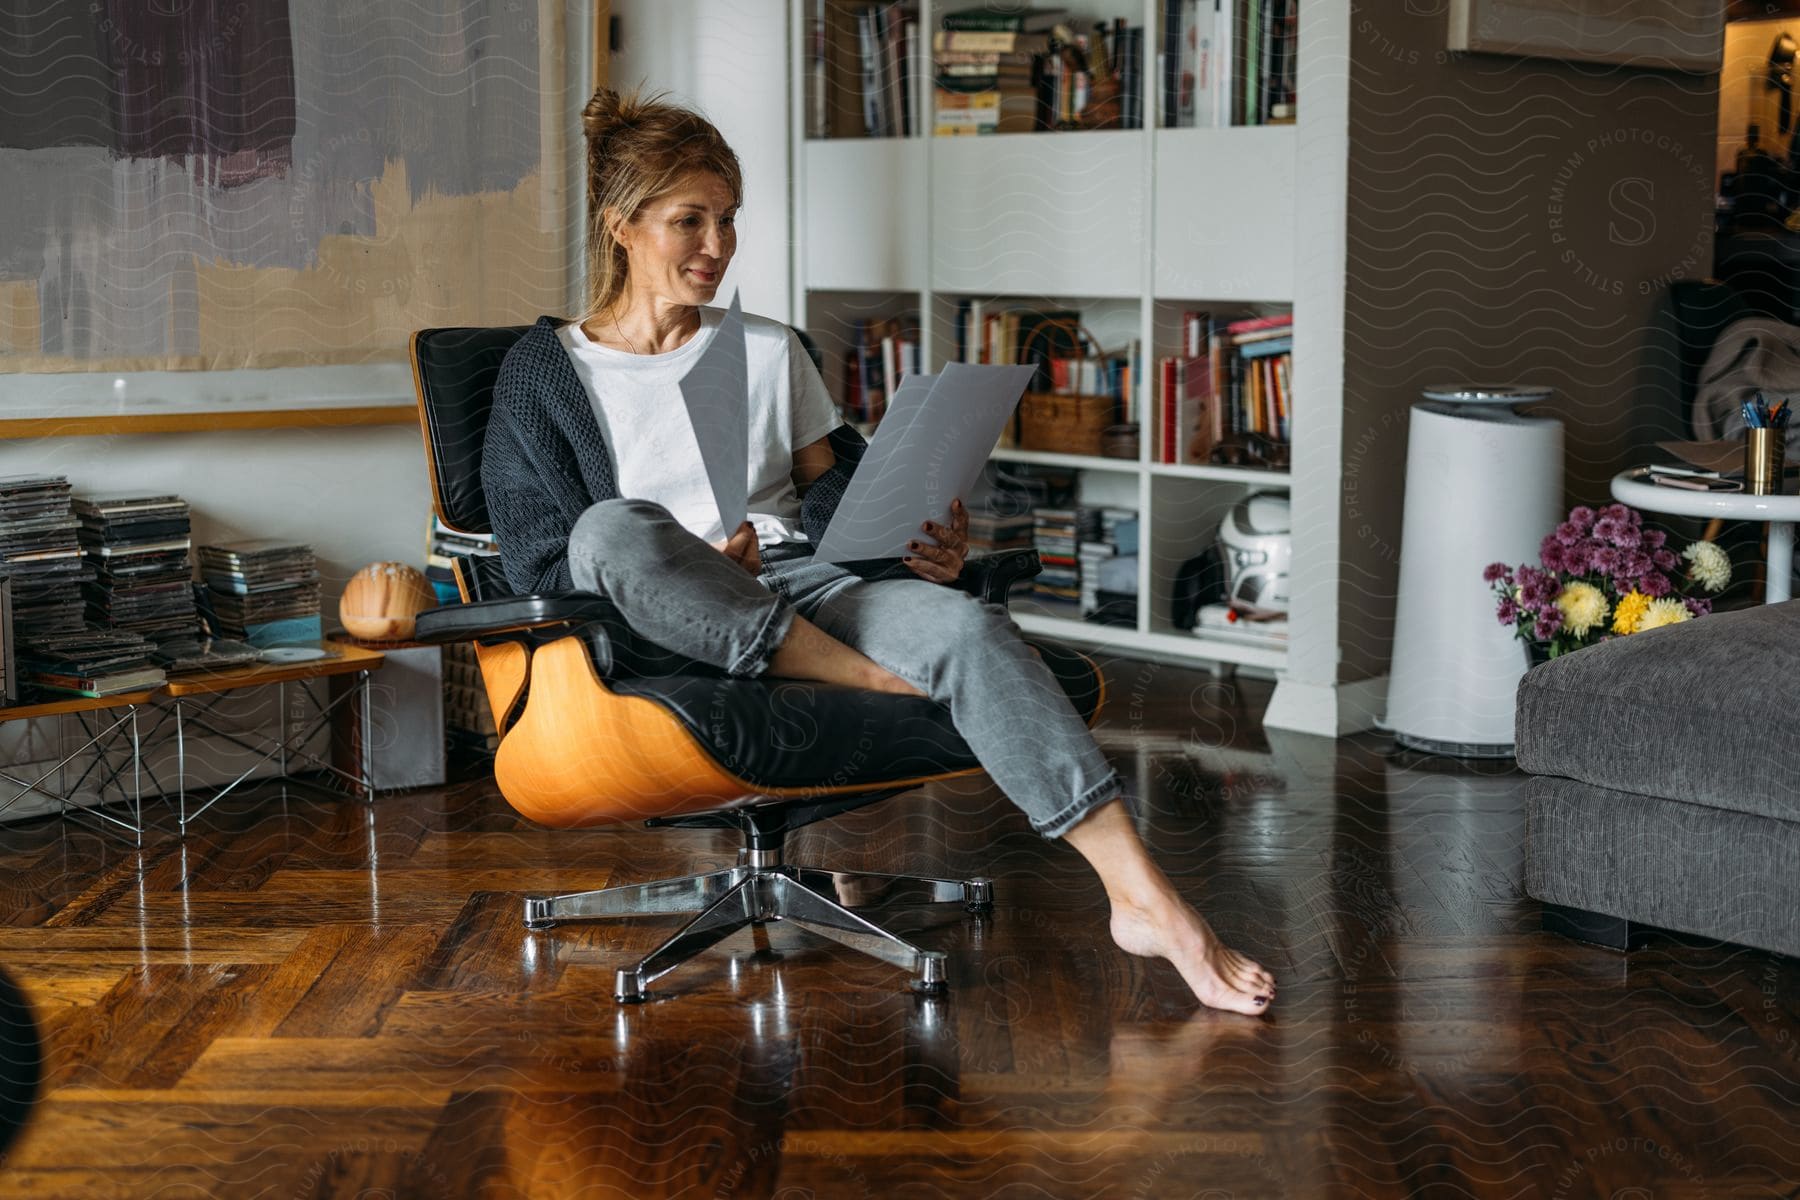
{"points": [[1131, 227]]}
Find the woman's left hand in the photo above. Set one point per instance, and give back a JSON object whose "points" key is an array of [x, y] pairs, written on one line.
{"points": [[941, 563]]}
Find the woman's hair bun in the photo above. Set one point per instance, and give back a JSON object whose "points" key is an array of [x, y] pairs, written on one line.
{"points": [[609, 111]]}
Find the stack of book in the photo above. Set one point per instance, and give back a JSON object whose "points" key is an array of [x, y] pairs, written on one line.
{"points": [[1260, 376], [1230, 378], [1229, 62], [881, 351], [443, 546], [1010, 71], [138, 548], [1222, 623], [1109, 562], [861, 76], [91, 663], [987, 79], [1058, 534], [9, 671], [467, 716], [999, 527], [40, 552], [263, 592]]}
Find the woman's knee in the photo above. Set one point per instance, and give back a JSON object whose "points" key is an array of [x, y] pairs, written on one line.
{"points": [[614, 531]]}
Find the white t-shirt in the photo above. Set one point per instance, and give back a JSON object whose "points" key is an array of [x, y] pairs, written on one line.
{"points": [[637, 400]]}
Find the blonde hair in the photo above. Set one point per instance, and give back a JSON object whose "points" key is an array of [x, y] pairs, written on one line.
{"points": [[639, 149]]}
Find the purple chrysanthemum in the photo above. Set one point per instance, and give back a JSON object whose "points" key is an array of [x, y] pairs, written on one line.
{"points": [[1664, 559], [1547, 625], [1508, 612], [1581, 516], [1604, 559], [1567, 534], [1655, 539], [1654, 585], [1494, 572], [1700, 606]]}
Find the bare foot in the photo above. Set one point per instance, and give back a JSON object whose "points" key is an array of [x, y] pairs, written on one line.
{"points": [[1219, 976]]}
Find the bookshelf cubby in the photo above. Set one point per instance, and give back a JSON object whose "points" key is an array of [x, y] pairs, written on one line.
{"points": [[1130, 227]]}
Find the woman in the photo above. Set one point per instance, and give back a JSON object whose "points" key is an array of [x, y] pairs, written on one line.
{"points": [[594, 481]]}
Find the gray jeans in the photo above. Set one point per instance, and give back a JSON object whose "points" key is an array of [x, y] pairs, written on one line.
{"points": [[682, 594]]}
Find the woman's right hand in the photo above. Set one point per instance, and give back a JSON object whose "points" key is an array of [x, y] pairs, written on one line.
{"points": [[742, 548]]}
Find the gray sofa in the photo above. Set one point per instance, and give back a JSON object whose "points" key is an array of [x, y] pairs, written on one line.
{"points": [[1665, 787]]}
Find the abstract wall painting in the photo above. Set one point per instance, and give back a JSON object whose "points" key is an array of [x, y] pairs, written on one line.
{"points": [[217, 184]]}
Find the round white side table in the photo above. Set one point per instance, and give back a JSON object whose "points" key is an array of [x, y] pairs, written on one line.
{"points": [[1631, 487]]}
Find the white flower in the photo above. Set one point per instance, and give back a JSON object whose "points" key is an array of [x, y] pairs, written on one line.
{"points": [[1710, 566], [1667, 611]]}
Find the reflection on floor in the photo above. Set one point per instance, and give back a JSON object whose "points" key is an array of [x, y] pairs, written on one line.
{"points": [[314, 998]]}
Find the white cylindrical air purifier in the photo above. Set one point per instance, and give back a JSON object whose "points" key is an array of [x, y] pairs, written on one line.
{"points": [[1484, 483]]}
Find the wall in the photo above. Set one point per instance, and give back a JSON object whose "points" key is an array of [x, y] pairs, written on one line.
{"points": [[1508, 219], [728, 59]]}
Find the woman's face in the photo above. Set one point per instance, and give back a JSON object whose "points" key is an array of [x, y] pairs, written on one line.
{"points": [[681, 242]]}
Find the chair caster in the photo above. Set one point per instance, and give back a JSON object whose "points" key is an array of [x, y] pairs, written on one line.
{"points": [[628, 988], [930, 980], [537, 914], [978, 894]]}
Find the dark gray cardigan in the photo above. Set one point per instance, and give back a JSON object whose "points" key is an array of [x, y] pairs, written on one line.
{"points": [[545, 462]]}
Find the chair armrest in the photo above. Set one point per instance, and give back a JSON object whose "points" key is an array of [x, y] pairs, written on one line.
{"points": [[991, 576], [615, 649], [511, 618]]}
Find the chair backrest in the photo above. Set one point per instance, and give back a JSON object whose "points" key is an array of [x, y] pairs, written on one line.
{"points": [[453, 372]]}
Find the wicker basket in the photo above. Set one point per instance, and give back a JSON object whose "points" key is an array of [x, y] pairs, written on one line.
{"points": [[1059, 423]]}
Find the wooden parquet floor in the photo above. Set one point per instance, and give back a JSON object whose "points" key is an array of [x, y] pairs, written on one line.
{"points": [[314, 998]]}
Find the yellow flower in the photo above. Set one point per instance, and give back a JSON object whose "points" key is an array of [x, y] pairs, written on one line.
{"points": [[1667, 611], [1583, 607], [1629, 612]]}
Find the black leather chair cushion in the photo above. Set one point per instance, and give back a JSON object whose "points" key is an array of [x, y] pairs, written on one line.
{"points": [[793, 734], [456, 372]]}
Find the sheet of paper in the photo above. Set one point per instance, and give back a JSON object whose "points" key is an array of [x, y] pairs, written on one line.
{"points": [[928, 451], [717, 394]]}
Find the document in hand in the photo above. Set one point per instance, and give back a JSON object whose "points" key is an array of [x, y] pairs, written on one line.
{"points": [[717, 393], [928, 451]]}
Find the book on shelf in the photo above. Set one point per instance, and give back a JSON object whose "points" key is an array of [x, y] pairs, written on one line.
{"points": [[882, 350], [1222, 623], [1037, 77], [861, 69], [1003, 20], [443, 546], [1230, 378], [1229, 62]]}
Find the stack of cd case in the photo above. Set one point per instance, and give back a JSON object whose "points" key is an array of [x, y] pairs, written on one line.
{"points": [[40, 553], [138, 548], [264, 592], [91, 663]]}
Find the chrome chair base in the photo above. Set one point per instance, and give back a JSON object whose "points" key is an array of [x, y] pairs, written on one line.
{"points": [[762, 888]]}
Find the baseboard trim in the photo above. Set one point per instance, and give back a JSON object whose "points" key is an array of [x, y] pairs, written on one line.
{"points": [[1328, 710]]}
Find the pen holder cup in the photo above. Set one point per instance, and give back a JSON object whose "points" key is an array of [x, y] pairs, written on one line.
{"points": [[1765, 452]]}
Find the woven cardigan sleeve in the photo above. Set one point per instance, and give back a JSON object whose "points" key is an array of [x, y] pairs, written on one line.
{"points": [[533, 481], [821, 500]]}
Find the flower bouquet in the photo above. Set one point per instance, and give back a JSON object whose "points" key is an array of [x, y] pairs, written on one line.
{"points": [[1602, 575]]}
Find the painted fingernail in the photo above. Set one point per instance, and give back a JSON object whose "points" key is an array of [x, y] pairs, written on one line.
{"points": [[1262, 999], [912, 545]]}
